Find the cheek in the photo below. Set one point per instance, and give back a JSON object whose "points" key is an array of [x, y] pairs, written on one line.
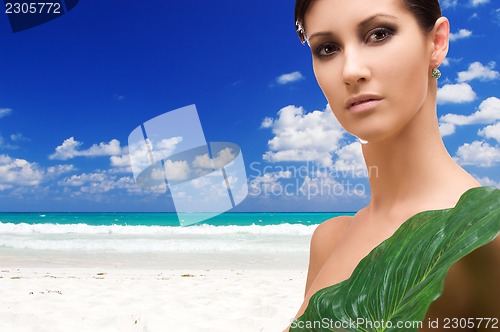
{"points": [[321, 77], [329, 79], [327, 76], [408, 77]]}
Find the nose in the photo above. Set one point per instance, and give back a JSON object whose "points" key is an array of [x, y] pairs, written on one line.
{"points": [[355, 68]]}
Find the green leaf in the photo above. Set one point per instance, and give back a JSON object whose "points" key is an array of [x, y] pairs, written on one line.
{"points": [[399, 279]]}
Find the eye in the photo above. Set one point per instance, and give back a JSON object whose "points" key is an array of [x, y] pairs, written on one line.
{"points": [[325, 50], [379, 35]]}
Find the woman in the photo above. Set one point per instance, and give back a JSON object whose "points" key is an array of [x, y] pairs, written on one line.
{"points": [[376, 62]]}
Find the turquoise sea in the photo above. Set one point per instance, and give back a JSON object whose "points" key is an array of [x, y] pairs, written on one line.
{"points": [[159, 232], [166, 219]]}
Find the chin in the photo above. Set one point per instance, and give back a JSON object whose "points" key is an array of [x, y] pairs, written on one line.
{"points": [[375, 131], [370, 136]]}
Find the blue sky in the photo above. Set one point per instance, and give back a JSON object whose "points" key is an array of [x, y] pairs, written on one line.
{"points": [[73, 89]]}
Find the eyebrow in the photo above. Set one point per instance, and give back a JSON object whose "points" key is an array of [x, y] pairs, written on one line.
{"points": [[362, 24]]}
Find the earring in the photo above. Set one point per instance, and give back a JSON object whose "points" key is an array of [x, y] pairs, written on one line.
{"points": [[436, 73]]}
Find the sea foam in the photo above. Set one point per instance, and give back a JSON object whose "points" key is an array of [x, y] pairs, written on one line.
{"points": [[285, 238], [282, 229]]}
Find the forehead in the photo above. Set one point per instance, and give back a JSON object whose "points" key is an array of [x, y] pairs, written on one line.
{"points": [[340, 14]]}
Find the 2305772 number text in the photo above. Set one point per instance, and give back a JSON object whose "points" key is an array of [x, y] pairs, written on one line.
{"points": [[33, 8]]}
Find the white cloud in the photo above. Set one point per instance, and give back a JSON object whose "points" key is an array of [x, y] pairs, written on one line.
{"points": [[268, 182], [4, 112], [177, 170], [98, 182], [144, 153], [455, 94], [224, 157], [446, 129], [479, 154], [474, 16], [60, 169], [488, 112], [449, 3], [461, 34], [283, 174], [478, 2], [487, 182], [289, 78], [232, 181], [5, 145], [267, 123], [70, 148], [14, 138], [19, 172], [5, 186], [451, 61], [350, 158], [326, 186], [120, 161], [478, 71], [320, 185], [492, 131], [301, 136], [165, 148], [453, 3], [19, 138], [201, 183], [109, 184], [205, 191], [79, 180]]}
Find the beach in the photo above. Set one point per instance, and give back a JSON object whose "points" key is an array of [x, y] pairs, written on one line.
{"points": [[93, 299], [215, 278]]}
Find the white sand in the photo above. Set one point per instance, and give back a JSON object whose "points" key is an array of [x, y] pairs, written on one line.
{"points": [[81, 295]]}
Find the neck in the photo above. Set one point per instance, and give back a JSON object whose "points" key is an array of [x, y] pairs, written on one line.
{"points": [[408, 167]]}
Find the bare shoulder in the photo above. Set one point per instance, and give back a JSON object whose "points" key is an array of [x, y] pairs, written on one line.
{"points": [[324, 240], [328, 233]]}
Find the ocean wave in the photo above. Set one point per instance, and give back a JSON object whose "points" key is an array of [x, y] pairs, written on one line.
{"points": [[156, 245], [282, 229]]}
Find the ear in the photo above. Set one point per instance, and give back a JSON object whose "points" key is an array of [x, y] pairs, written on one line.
{"points": [[440, 40]]}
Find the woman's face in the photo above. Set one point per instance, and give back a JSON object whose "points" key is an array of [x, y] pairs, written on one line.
{"points": [[372, 61]]}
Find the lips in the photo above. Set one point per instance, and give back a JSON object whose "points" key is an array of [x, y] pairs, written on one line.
{"points": [[362, 103]]}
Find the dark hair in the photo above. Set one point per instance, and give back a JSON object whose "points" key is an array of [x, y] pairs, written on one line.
{"points": [[425, 11]]}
